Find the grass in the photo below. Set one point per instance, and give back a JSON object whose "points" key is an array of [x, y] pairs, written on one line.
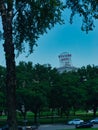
{"points": [[82, 129], [45, 118]]}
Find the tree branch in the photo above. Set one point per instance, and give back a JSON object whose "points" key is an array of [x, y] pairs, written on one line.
{"points": [[18, 9]]}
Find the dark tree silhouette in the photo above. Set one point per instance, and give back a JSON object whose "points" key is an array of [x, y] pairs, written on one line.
{"points": [[23, 21]]}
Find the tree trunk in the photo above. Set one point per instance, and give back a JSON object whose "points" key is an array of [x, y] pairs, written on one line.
{"points": [[35, 118], [52, 116], [94, 111], [10, 66]]}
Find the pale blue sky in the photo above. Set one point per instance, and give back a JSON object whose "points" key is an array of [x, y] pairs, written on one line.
{"points": [[62, 38], [70, 38]]}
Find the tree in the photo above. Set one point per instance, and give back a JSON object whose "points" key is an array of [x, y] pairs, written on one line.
{"points": [[87, 9], [24, 75], [92, 88], [73, 92], [2, 102], [23, 100], [69, 83], [2, 90], [38, 100], [89, 82], [23, 21], [31, 94], [92, 95]]}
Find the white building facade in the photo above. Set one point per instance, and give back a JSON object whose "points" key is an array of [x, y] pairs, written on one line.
{"points": [[65, 63]]}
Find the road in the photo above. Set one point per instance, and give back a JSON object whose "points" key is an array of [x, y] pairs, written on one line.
{"points": [[55, 127], [59, 127]]}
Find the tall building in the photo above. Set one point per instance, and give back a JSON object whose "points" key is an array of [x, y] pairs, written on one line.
{"points": [[65, 59], [65, 62]]}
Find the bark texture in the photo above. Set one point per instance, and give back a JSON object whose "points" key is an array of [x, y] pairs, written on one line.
{"points": [[6, 16]]}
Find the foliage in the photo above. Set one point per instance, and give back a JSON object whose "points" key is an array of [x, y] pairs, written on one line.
{"points": [[45, 88], [61, 90], [23, 22], [87, 9], [31, 19], [24, 74]]}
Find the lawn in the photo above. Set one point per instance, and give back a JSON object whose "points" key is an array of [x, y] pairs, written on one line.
{"points": [[82, 129]]}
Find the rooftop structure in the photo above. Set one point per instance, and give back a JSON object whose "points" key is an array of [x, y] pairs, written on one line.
{"points": [[65, 59], [65, 63]]}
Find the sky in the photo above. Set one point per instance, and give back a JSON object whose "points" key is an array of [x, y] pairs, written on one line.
{"points": [[63, 38]]}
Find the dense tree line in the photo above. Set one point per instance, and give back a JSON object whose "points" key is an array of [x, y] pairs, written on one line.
{"points": [[41, 86]]}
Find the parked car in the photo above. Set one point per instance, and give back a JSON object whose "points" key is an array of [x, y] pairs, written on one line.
{"points": [[75, 122], [84, 125], [95, 120]]}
